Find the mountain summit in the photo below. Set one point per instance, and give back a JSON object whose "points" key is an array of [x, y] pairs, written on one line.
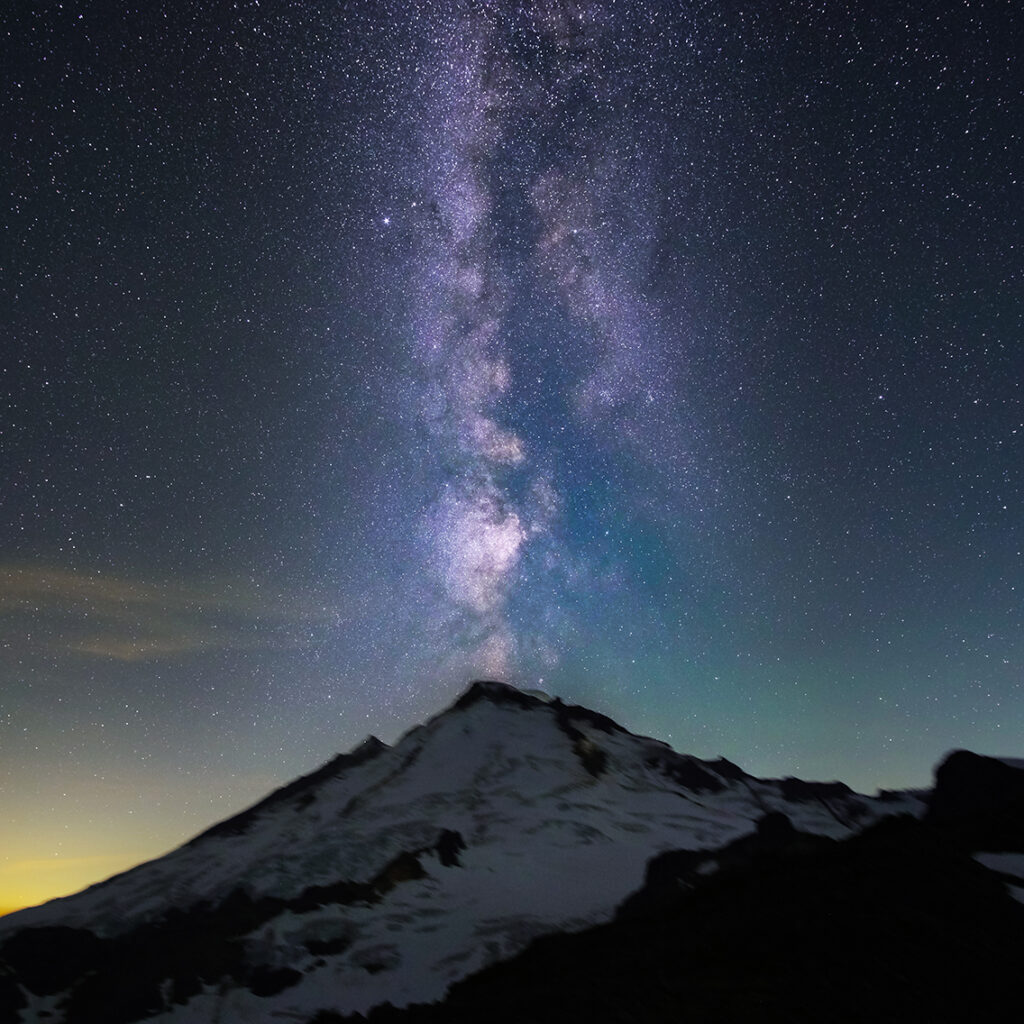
{"points": [[390, 873]]}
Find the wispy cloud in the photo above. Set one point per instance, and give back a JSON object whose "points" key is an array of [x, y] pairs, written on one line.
{"points": [[125, 619]]}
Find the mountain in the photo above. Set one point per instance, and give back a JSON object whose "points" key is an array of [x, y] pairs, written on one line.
{"points": [[391, 874]]}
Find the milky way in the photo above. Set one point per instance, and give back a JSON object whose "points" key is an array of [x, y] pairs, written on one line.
{"points": [[475, 529], [582, 211]]}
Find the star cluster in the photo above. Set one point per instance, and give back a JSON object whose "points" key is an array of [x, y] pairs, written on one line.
{"points": [[663, 355]]}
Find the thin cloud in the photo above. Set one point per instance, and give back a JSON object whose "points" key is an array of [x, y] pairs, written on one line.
{"points": [[130, 620]]}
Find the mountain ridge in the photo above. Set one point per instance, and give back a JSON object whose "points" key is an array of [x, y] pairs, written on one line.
{"points": [[390, 873], [686, 771]]}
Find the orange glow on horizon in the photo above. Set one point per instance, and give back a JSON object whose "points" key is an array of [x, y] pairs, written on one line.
{"points": [[31, 881], [81, 828]]}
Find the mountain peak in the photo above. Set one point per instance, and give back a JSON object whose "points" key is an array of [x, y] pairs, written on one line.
{"points": [[502, 692], [568, 716], [497, 693]]}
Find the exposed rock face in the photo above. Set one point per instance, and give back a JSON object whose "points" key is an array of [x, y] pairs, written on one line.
{"points": [[980, 800], [694, 775], [797, 789], [496, 693], [449, 845]]}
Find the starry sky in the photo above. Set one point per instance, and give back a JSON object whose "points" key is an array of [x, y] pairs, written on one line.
{"points": [[665, 356]]}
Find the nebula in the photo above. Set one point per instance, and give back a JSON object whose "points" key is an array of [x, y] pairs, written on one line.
{"points": [[585, 242], [474, 529]]}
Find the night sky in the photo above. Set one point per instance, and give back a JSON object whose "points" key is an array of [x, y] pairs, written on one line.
{"points": [[666, 356]]}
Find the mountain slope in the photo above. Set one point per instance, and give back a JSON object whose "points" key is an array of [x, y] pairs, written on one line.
{"points": [[894, 924], [391, 873]]}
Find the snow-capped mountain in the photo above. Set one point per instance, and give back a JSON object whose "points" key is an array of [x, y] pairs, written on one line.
{"points": [[392, 872]]}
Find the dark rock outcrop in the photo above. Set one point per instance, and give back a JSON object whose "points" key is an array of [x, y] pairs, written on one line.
{"points": [[688, 772], [12, 999], [496, 693], [591, 756], [980, 801], [268, 981], [803, 792], [449, 845], [570, 716], [725, 769], [48, 960]]}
